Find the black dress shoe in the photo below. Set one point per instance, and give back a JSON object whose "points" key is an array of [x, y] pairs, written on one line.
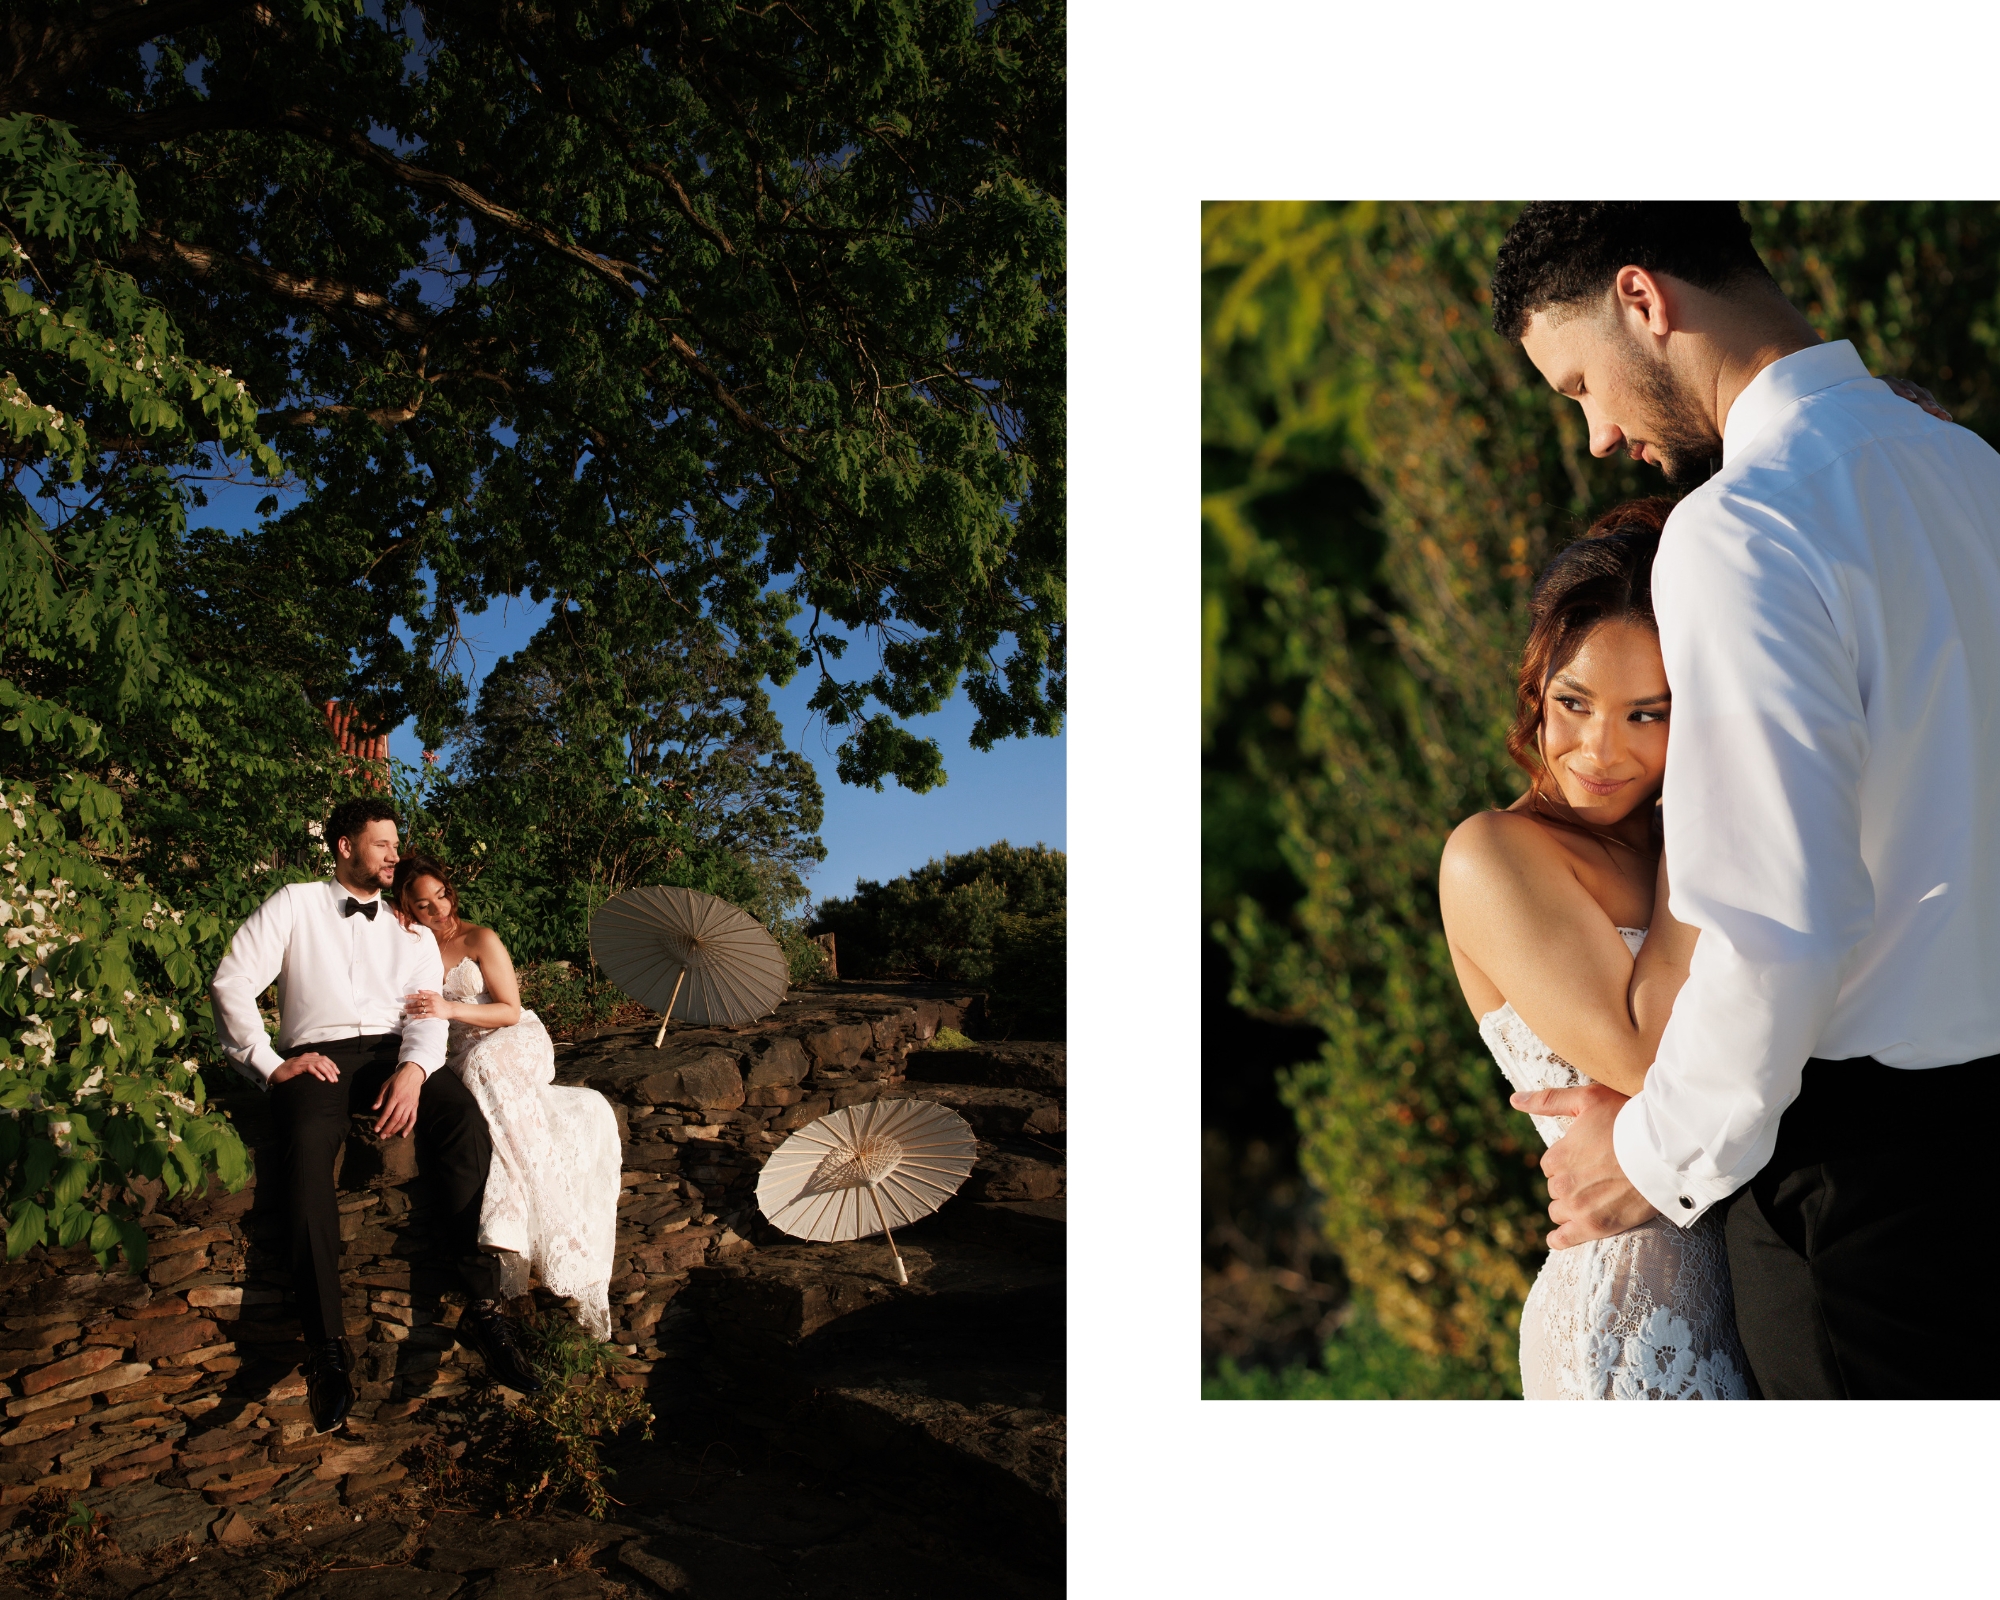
{"points": [[492, 1335], [329, 1391]]}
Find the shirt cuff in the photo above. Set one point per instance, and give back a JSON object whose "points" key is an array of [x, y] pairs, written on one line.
{"points": [[1675, 1194], [259, 1063]]}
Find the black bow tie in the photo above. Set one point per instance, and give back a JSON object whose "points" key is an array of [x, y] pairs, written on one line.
{"points": [[350, 906]]}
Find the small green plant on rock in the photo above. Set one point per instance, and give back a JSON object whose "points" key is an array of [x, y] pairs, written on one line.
{"points": [[949, 1039], [61, 1540], [546, 1446]]}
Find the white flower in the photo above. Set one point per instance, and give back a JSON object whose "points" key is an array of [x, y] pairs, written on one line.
{"points": [[130, 997], [99, 1026], [317, 830]]}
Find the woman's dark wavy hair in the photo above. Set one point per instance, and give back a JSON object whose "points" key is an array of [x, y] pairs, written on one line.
{"points": [[411, 868], [1606, 576]]}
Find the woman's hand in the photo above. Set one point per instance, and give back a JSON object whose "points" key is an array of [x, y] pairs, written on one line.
{"points": [[429, 1003]]}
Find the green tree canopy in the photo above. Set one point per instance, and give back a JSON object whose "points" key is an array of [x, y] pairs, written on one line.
{"points": [[760, 305], [599, 760]]}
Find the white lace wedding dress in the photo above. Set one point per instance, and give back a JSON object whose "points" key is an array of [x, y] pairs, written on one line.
{"points": [[1643, 1315], [552, 1191]]}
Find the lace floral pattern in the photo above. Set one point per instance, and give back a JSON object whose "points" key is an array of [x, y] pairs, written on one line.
{"points": [[552, 1191], [1643, 1315]]}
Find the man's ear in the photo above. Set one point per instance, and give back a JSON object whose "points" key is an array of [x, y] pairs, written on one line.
{"points": [[1646, 300]]}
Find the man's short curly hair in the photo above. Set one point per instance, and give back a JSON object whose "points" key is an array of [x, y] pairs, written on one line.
{"points": [[351, 816], [1562, 252]]}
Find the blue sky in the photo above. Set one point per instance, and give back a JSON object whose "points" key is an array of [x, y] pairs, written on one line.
{"points": [[1016, 791]]}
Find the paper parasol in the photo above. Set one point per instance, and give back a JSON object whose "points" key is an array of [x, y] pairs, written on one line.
{"points": [[652, 942], [858, 1171]]}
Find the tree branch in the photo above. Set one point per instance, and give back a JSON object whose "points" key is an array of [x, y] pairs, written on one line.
{"points": [[324, 294], [618, 273]]}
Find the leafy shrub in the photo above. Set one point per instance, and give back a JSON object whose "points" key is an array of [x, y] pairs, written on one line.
{"points": [[546, 1447], [571, 1003], [805, 961], [994, 918], [93, 1094], [1363, 1362]]}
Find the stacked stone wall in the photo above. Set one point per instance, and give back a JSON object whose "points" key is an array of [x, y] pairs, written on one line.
{"points": [[187, 1375]]}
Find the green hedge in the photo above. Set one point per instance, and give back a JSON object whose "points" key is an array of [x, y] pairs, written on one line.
{"points": [[993, 919]]}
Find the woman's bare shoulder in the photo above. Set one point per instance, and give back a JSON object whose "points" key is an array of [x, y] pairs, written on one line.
{"points": [[480, 940], [1488, 839]]}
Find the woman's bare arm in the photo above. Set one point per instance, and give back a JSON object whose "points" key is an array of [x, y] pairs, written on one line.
{"points": [[1660, 970], [1521, 926], [496, 969]]}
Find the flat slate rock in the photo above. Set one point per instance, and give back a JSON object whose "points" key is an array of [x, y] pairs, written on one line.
{"points": [[144, 1516], [1025, 1443], [458, 1543], [993, 1113], [1039, 1066]]}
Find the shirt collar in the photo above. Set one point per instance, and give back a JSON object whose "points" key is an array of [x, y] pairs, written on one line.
{"points": [[342, 892], [1790, 378]]}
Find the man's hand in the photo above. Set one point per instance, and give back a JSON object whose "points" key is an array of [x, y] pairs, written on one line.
{"points": [[397, 1101], [1918, 394], [1589, 1196], [312, 1061]]}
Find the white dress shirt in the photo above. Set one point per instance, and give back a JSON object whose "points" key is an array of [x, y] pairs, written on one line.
{"points": [[338, 977], [1829, 610]]}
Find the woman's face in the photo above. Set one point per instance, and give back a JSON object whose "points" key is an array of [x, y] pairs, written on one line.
{"points": [[424, 898], [1604, 727]]}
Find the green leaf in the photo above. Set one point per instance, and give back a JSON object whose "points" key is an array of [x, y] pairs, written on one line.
{"points": [[132, 1240], [40, 1162], [71, 1179], [26, 1225], [232, 1161], [72, 1223]]}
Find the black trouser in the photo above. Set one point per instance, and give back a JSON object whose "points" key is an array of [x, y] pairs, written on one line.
{"points": [[1857, 1254], [454, 1150]]}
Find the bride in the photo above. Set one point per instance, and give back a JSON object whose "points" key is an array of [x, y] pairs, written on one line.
{"points": [[1556, 914], [552, 1191]]}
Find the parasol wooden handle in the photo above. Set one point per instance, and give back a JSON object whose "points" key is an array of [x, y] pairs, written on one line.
{"points": [[678, 981], [902, 1275]]}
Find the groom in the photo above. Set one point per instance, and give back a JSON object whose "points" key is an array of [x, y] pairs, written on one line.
{"points": [[1829, 612], [343, 962]]}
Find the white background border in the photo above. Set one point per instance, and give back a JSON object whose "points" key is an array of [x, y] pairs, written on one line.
{"points": [[1171, 105]]}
